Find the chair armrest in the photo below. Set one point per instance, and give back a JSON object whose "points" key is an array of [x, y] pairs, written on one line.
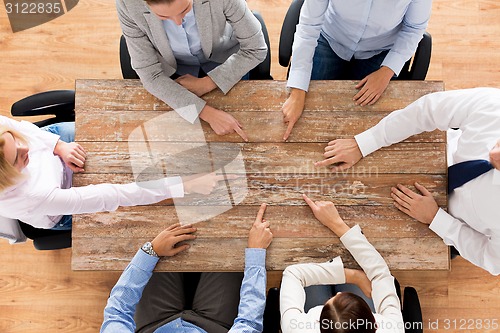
{"points": [[57, 102], [272, 315], [287, 32], [412, 312], [53, 242]]}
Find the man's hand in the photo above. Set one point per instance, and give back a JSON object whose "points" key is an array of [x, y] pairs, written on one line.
{"points": [[221, 122], [198, 86], [292, 109], [72, 154], [495, 156], [359, 278], [327, 214], [203, 183], [372, 86], [165, 244], [421, 207], [260, 235], [343, 153]]}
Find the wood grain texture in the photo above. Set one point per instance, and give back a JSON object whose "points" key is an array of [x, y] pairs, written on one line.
{"points": [[228, 254], [117, 95], [295, 158], [287, 190], [84, 44], [137, 139]]}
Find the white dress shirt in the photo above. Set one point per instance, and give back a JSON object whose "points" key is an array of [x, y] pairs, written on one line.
{"points": [[359, 29], [472, 225], [292, 295], [45, 193], [186, 46]]}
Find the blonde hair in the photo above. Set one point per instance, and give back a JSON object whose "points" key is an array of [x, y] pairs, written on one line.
{"points": [[9, 175]]}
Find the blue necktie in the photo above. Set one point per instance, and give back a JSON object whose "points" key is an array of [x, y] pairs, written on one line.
{"points": [[461, 173]]}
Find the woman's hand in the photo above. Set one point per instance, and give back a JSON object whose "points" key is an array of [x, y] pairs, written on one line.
{"points": [[292, 109], [327, 214], [72, 154], [359, 278], [222, 122], [372, 86], [198, 86]]}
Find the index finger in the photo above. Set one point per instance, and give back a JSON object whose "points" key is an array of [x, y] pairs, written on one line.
{"points": [[309, 201], [261, 212], [288, 129], [241, 133]]}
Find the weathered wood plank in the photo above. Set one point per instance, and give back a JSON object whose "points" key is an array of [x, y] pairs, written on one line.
{"points": [[295, 158], [288, 189], [286, 221], [227, 254], [265, 126], [129, 95]]}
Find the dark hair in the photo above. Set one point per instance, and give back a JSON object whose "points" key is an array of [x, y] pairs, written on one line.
{"points": [[155, 2], [348, 313]]}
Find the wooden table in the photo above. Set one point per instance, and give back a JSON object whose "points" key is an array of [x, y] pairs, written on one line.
{"points": [[277, 172]]}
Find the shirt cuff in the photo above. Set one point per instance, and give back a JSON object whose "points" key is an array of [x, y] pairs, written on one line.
{"points": [[394, 61], [175, 186], [192, 111], [496, 177], [298, 80], [352, 236], [441, 223], [366, 142], [255, 257], [144, 261]]}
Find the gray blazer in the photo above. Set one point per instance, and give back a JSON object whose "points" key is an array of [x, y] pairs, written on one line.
{"points": [[229, 32]]}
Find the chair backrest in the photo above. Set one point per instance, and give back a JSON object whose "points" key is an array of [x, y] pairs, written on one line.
{"points": [[260, 72], [414, 69], [128, 72], [263, 70]]}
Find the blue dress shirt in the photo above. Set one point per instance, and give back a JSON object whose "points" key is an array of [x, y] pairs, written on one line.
{"points": [[359, 29], [122, 302], [185, 43]]}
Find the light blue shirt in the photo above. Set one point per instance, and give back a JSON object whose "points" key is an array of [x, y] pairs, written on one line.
{"points": [[122, 302], [185, 43], [359, 29]]}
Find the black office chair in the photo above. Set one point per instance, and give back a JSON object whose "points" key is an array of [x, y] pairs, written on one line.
{"points": [[61, 105], [414, 69], [411, 310], [261, 72]]}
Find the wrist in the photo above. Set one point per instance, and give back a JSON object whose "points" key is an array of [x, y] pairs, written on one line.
{"points": [[388, 73], [206, 113], [148, 248], [297, 94], [209, 83], [339, 228], [58, 147]]}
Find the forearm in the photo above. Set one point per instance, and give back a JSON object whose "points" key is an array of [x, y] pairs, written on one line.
{"points": [[305, 42], [252, 46], [252, 293], [122, 302], [480, 249], [107, 197]]}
